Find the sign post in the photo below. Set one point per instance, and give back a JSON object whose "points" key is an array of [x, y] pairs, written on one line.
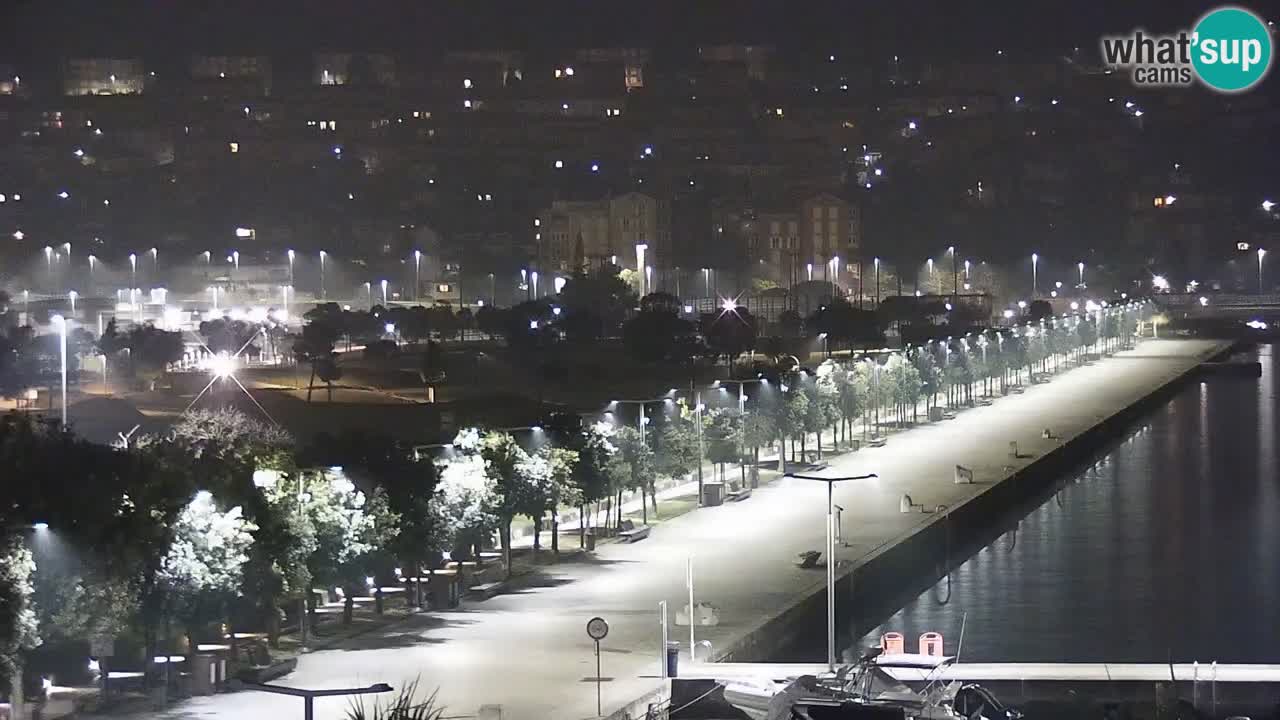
{"points": [[597, 630]]}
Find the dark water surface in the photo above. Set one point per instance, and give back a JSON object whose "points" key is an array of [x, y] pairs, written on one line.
{"points": [[1167, 548]]}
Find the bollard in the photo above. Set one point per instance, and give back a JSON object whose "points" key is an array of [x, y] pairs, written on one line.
{"points": [[1013, 449]]}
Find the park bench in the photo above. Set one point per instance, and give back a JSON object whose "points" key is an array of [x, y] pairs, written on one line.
{"points": [[628, 532], [488, 590], [878, 441], [949, 415], [738, 495]]}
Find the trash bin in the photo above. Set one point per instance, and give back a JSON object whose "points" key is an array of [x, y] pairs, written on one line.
{"points": [[712, 494], [673, 659], [204, 674], [591, 540]]}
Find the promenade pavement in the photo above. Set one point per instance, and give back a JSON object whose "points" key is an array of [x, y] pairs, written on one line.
{"points": [[528, 651]]}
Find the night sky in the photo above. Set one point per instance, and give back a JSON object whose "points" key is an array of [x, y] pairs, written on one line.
{"points": [[932, 28]]}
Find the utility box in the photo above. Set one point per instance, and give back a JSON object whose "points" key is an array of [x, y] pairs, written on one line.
{"points": [[712, 494]]}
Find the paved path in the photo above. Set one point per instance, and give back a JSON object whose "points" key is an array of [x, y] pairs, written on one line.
{"points": [[529, 652]]}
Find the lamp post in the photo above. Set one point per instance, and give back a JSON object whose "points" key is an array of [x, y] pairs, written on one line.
{"points": [[72, 294], [384, 293], [876, 261], [417, 273], [133, 270], [1080, 267], [61, 324], [1261, 253], [291, 255], [322, 254], [1035, 263], [640, 267], [92, 262], [955, 273], [493, 291], [368, 290], [742, 418], [309, 696], [155, 265], [831, 557]]}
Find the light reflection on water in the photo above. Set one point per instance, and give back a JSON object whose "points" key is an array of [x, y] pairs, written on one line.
{"points": [[1166, 548]]}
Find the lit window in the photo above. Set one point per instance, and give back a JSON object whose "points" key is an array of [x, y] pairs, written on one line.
{"points": [[1158, 202], [466, 83], [568, 71], [235, 147], [466, 104], [415, 113]]}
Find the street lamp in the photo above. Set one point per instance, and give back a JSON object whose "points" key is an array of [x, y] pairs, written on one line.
{"points": [[133, 270], [831, 558], [876, 262], [290, 254], [48, 259], [61, 324], [742, 419], [309, 696], [955, 272], [1035, 264], [640, 250], [384, 292], [322, 254], [92, 262], [72, 294], [368, 290], [235, 258], [1080, 267], [155, 263], [1261, 254], [417, 272]]}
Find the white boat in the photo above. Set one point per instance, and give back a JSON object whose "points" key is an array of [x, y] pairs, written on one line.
{"points": [[866, 690]]}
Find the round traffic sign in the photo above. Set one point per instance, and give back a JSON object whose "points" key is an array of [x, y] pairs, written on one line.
{"points": [[597, 628]]}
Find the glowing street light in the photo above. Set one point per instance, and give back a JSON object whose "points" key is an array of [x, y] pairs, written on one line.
{"points": [[322, 254], [61, 323], [235, 258], [72, 295], [1261, 254], [384, 293], [417, 272], [155, 262], [729, 305], [1080, 267], [1035, 264], [133, 269], [1267, 205], [291, 255], [640, 250], [48, 259]]}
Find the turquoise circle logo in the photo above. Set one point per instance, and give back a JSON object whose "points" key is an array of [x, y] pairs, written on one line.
{"points": [[1231, 49]]}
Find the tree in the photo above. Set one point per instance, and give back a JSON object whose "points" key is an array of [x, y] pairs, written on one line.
{"points": [[150, 349], [315, 347], [203, 570], [511, 494], [18, 628], [637, 457], [465, 495], [729, 333], [595, 302], [595, 448], [677, 446], [222, 335], [723, 438], [657, 335], [561, 464]]}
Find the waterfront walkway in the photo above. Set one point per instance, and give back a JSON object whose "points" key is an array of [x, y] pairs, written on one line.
{"points": [[528, 651]]}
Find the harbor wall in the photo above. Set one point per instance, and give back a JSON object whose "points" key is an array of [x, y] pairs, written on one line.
{"points": [[900, 570]]}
